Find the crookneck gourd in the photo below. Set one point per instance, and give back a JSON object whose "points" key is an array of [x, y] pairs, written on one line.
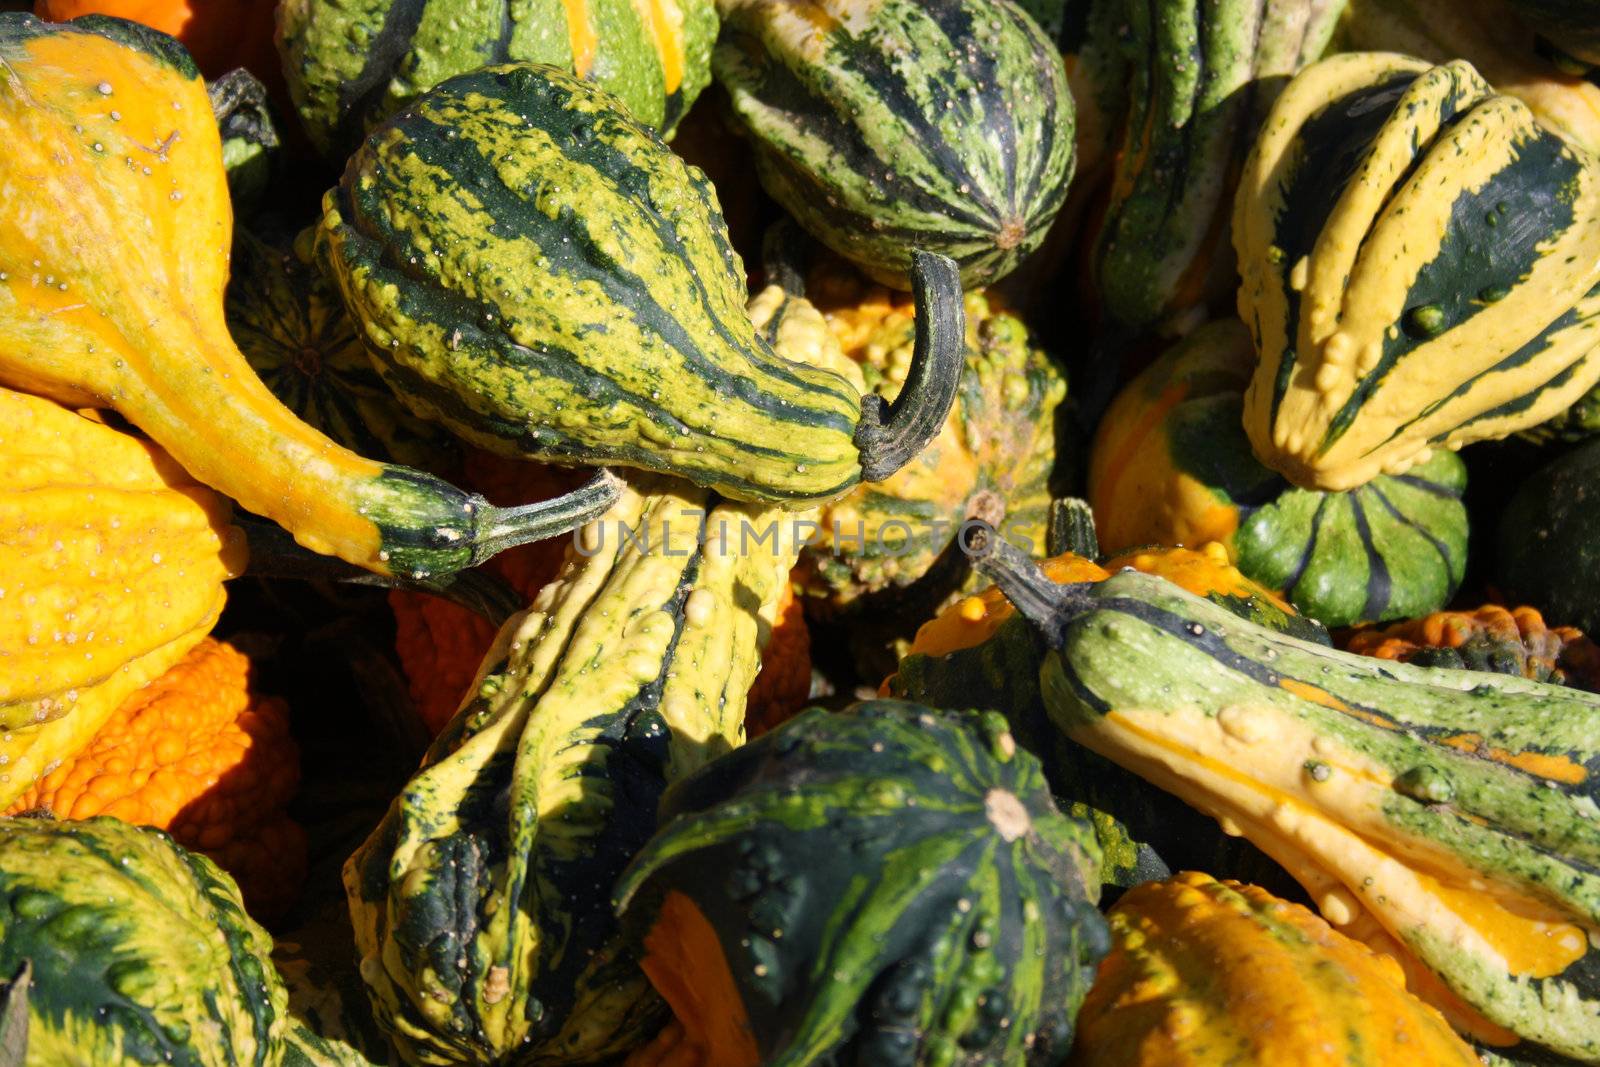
{"points": [[1444, 816], [351, 65], [480, 902], [113, 563], [1420, 260], [1171, 465], [114, 241], [1200, 76], [891, 885], [130, 951], [537, 271], [1203, 973], [898, 124]]}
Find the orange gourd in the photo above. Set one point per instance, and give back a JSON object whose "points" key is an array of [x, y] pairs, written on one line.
{"points": [[220, 34], [1492, 638]]}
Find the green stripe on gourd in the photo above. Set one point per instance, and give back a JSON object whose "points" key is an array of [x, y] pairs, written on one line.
{"points": [[140, 951], [351, 63], [1419, 262], [1450, 811], [888, 125], [892, 885], [480, 902], [538, 272], [1200, 76]]}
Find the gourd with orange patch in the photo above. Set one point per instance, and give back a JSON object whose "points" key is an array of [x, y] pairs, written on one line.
{"points": [[1514, 641], [1281, 988]]}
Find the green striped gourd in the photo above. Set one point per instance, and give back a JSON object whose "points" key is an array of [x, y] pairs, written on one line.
{"points": [[1492, 39], [1446, 817], [1200, 76], [888, 125], [1171, 465], [890, 886], [140, 952], [351, 63], [1547, 545], [1419, 263], [291, 325], [539, 273]]}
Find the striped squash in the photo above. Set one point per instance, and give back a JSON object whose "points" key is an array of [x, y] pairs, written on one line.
{"points": [[292, 328], [890, 886], [1445, 817], [1200, 76], [480, 901], [888, 125], [539, 273], [1419, 262], [351, 63], [1171, 465]]}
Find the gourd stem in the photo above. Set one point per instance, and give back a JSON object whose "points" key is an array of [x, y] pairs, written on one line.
{"points": [[891, 435], [784, 257], [501, 528], [1072, 529], [1046, 604]]}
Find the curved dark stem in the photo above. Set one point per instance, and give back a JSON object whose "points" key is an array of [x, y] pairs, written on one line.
{"points": [[1044, 603], [274, 554], [1072, 529], [785, 256], [502, 528], [891, 435]]}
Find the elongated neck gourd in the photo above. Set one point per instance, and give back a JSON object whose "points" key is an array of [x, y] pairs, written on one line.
{"points": [[115, 229], [1446, 817], [539, 272]]}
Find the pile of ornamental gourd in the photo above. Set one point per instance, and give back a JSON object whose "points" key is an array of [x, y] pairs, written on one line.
{"points": [[770, 533]]}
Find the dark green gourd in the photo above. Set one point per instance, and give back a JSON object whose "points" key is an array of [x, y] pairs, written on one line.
{"points": [[891, 125], [1547, 551], [537, 271], [890, 886]]}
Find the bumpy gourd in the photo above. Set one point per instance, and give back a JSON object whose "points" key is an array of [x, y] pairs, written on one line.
{"points": [[887, 126], [1512, 641], [892, 885], [537, 271], [1446, 817], [479, 902], [1203, 972], [140, 952], [352, 64], [1199, 77], [1171, 465], [114, 240], [1419, 263]]}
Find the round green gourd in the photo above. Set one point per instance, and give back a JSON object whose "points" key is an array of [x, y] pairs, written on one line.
{"points": [[350, 63], [890, 886], [140, 952], [1547, 549], [881, 127]]}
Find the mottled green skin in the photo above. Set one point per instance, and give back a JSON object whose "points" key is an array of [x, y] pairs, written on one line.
{"points": [[538, 272], [352, 63], [871, 905], [1573, 26], [1134, 642], [290, 324], [1200, 76], [1547, 549], [1578, 423], [142, 952], [945, 125]]}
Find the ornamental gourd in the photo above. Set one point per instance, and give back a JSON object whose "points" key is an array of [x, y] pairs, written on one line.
{"points": [[114, 239], [480, 901], [1203, 972], [1419, 263], [1547, 544], [535, 270], [1512, 641], [352, 65], [891, 886], [1444, 817], [1171, 465], [136, 951], [887, 126]]}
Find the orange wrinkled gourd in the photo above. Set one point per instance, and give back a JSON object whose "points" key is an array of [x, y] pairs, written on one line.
{"points": [[202, 756], [1508, 637], [1203, 972]]}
